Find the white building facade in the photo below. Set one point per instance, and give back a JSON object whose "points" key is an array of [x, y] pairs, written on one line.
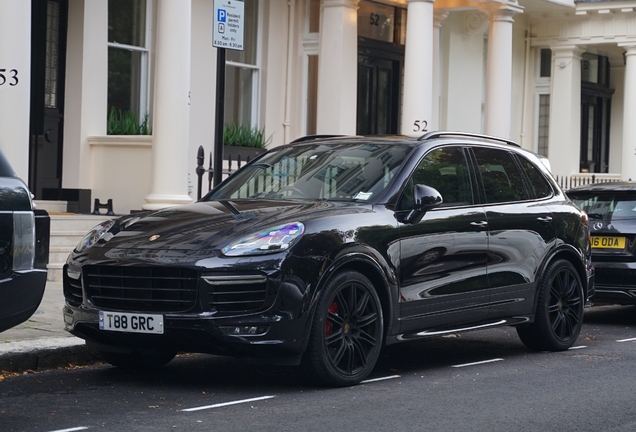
{"points": [[557, 76]]}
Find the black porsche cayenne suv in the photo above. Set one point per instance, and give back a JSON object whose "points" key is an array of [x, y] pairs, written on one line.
{"points": [[323, 251]]}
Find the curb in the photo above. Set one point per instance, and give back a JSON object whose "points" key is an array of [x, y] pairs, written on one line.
{"points": [[42, 354]]}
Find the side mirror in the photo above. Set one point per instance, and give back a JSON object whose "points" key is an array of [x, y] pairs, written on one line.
{"points": [[425, 198]]}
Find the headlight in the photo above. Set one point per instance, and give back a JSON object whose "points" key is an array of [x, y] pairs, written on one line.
{"points": [[94, 235], [268, 241]]}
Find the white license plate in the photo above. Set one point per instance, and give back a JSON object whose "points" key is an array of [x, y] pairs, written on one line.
{"points": [[131, 322]]}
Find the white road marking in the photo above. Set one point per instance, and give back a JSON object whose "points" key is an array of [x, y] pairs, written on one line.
{"points": [[627, 340], [477, 363], [379, 379], [79, 428], [578, 347], [227, 403]]}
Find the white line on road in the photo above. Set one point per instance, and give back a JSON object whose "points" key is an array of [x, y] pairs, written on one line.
{"points": [[79, 428], [626, 340], [578, 347], [477, 363], [379, 379], [228, 403]]}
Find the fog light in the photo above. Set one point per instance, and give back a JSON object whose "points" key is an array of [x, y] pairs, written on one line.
{"points": [[244, 330]]}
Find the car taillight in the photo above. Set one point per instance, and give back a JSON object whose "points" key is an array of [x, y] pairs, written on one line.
{"points": [[23, 240]]}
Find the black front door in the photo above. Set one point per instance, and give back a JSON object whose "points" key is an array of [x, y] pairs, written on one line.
{"points": [[48, 58], [378, 95], [595, 126]]}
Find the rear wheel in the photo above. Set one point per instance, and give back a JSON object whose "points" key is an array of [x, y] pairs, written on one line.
{"points": [[559, 314], [138, 360], [346, 335]]}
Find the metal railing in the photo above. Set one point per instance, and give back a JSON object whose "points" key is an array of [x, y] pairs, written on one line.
{"points": [[228, 168], [568, 182]]}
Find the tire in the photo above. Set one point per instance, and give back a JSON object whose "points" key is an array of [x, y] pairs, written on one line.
{"points": [[136, 360], [559, 314], [347, 330]]}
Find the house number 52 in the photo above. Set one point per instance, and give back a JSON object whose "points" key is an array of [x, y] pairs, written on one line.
{"points": [[10, 77], [420, 126]]}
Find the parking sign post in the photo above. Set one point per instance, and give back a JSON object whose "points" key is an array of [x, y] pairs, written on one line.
{"points": [[228, 34]]}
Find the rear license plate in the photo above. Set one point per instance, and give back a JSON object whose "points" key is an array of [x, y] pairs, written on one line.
{"points": [[131, 322], [603, 242]]}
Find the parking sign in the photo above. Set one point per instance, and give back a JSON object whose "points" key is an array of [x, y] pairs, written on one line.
{"points": [[228, 24]]}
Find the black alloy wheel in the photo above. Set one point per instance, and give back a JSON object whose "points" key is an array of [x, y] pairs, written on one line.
{"points": [[346, 336], [559, 314], [136, 360]]}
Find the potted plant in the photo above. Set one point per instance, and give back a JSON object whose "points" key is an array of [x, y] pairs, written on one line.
{"points": [[243, 140], [126, 123]]}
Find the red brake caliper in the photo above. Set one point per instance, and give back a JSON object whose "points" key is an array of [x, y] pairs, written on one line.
{"points": [[333, 309]]}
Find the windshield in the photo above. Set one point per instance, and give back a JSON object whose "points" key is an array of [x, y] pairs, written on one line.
{"points": [[350, 171], [607, 207]]}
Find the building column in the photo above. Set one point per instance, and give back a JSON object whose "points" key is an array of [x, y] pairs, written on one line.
{"points": [[15, 83], [417, 103], [338, 68], [86, 89], [171, 113], [438, 17], [564, 140], [628, 160], [497, 116]]}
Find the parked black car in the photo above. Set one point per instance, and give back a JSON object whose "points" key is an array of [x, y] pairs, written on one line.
{"points": [[24, 249], [611, 208], [322, 251]]}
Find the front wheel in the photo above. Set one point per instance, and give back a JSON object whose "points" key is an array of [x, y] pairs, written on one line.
{"points": [[559, 314], [346, 333]]}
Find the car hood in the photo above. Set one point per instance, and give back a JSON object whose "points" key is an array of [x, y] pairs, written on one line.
{"points": [[206, 226]]}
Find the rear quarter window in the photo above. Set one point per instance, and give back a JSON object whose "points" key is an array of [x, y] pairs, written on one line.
{"points": [[538, 184]]}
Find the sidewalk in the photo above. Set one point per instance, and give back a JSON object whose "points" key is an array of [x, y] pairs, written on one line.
{"points": [[41, 342]]}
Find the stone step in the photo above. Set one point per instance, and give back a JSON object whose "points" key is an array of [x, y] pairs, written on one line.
{"points": [[51, 206]]}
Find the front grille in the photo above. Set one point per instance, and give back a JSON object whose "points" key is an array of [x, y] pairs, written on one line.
{"points": [[141, 289], [236, 293]]}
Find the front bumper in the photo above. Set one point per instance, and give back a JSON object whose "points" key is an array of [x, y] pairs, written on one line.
{"points": [[243, 311], [273, 335], [21, 295], [615, 282]]}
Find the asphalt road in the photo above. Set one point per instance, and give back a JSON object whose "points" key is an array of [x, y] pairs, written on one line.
{"points": [[479, 381]]}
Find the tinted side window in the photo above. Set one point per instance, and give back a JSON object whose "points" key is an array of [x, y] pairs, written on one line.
{"points": [[446, 170], [539, 186], [502, 179]]}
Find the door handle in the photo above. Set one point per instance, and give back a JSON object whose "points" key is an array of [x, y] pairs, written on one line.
{"points": [[479, 225], [47, 134], [545, 219]]}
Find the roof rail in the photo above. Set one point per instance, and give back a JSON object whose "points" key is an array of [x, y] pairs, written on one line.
{"points": [[315, 137], [438, 134]]}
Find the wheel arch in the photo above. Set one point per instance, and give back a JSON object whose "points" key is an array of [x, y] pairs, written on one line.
{"points": [[575, 258], [378, 274]]}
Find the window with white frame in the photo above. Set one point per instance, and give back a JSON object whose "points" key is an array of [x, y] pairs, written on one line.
{"points": [[542, 98], [242, 74], [128, 52]]}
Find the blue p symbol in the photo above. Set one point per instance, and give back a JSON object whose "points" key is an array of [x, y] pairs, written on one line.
{"points": [[221, 16]]}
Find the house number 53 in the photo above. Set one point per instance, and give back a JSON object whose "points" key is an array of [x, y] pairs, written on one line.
{"points": [[10, 77]]}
